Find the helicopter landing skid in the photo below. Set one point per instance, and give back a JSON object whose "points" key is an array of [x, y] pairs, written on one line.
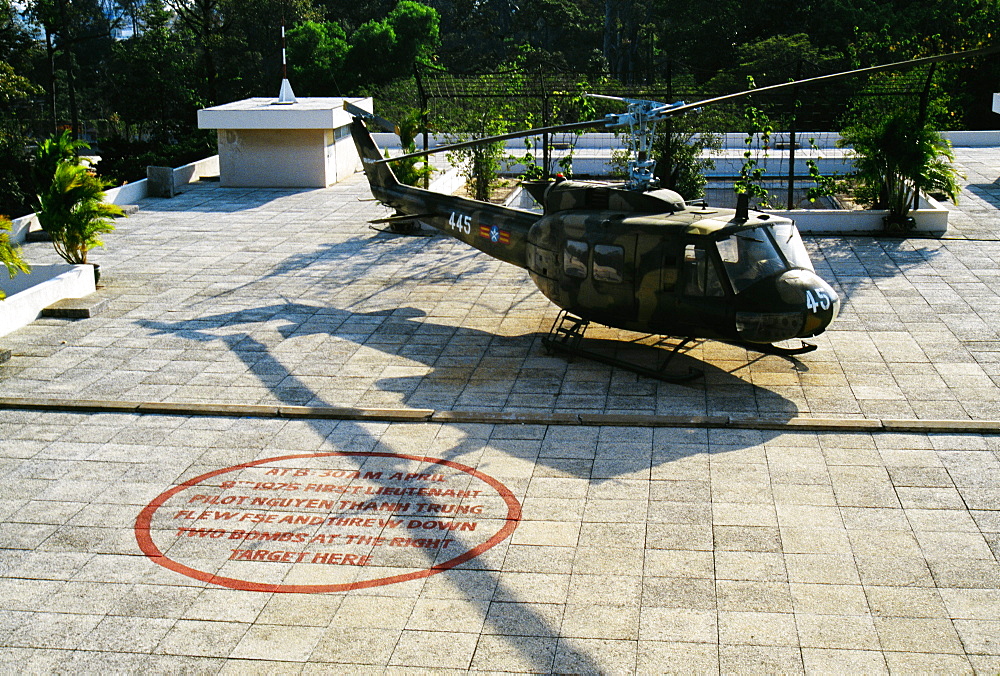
{"points": [[566, 336], [401, 224], [770, 348], [413, 230]]}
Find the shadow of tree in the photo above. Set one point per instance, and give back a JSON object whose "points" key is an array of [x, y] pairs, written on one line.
{"points": [[869, 273]]}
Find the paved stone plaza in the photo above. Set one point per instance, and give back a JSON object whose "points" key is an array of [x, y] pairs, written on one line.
{"points": [[292, 444]]}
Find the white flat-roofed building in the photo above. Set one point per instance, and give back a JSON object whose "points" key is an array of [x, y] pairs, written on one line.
{"points": [[264, 143]]}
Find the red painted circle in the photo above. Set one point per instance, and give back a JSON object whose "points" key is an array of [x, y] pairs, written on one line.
{"points": [[144, 521]]}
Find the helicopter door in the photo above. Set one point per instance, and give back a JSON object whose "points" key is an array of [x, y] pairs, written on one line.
{"points": [[613, 276], [701, 295], [599, 279]]}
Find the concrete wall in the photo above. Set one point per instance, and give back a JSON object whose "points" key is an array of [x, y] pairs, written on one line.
{"points": [[268, 158], [285, 158], [592, 152], [29, 294]]}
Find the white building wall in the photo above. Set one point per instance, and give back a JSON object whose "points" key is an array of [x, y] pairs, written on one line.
{"points": [[269, 158]]}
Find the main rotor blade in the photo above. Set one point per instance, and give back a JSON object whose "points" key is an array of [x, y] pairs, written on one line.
{"points": [[501, 137], [670, 110], [686, 108]]}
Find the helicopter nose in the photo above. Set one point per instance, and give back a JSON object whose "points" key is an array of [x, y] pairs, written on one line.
{"points": [[816, 306], [806, 289]]}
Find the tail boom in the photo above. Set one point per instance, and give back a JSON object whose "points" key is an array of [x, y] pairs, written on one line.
{"points": [[499, 231]]}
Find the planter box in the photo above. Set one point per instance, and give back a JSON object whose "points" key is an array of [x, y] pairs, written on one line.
{"points": [[28, 295], [931, 219]]}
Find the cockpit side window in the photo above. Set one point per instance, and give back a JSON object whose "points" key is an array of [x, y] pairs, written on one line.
{"points": [[700, 275], [575, 259], [609, 263]]}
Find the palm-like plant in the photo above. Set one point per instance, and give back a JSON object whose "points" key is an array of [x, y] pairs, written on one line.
{"points": [[897, 159], [407, 170], [10, 255], [71, 206]]}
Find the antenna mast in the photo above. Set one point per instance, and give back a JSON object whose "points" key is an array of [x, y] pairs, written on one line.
{"points": [[286, 95]]}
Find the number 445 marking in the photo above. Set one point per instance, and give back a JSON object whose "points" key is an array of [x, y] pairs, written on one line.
{"points": [[817, 302], [460, 222]]}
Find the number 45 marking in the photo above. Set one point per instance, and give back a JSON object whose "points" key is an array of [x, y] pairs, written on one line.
{"points": [[817, 302]]}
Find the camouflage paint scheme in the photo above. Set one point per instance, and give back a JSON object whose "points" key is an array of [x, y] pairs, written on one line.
{"points": [[648, 262]]}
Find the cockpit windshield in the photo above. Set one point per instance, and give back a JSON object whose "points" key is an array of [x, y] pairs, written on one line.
{"points": [[752, 255], [790, 242]]}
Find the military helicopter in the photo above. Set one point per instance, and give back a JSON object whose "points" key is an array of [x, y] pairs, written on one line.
{"points": [[634, 256]]}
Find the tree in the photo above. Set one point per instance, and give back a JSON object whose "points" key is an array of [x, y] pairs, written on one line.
{"points": [[68, 28], [369, 56], [776, 59], [150, 75], [416, 27], [316, 53], [378, 52], [351, 14], [238, 42], [15, 182], [17, 46], [679, 164]]}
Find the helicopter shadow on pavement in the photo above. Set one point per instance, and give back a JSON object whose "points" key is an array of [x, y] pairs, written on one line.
{"points": [[988, 192], [452, 368]]}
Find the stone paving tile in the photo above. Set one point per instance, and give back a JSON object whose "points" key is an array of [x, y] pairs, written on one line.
{"points": [[638, 549], [757, 585]]}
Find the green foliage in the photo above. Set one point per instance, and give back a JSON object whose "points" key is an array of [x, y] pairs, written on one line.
{"points": [[15, 169], [52, 152], [481, 165], [17, 44], [124, 160], [678, 151], [71, 206], [236, 43], [151, 79], [326, 61], [13, 87], [897, 159], [408, 171], [500, 109], [16, 194], [417, 30], [773, 58], [532, 170], [10, 255], [316, 53], [758, 145], [368, 58], [179, 55]]}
